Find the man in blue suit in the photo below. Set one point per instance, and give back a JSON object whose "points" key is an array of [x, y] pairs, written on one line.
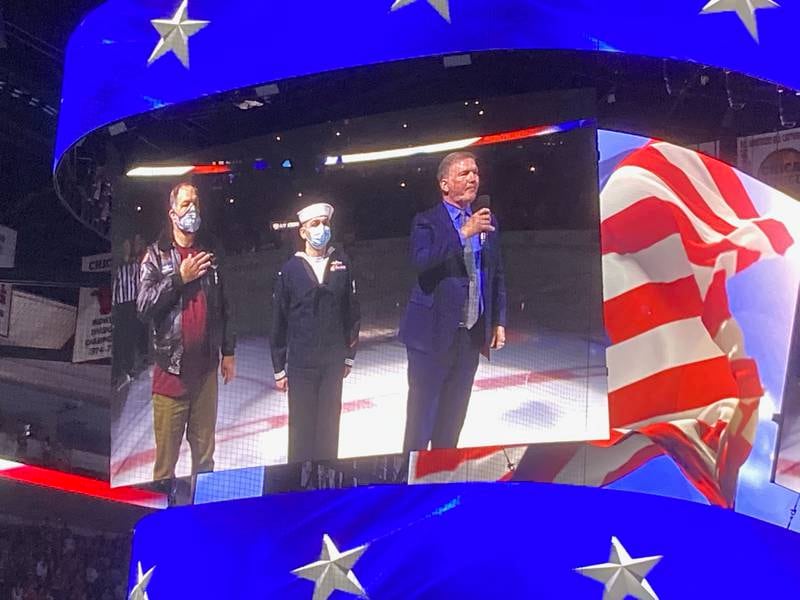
{"points": [[457, 308]]}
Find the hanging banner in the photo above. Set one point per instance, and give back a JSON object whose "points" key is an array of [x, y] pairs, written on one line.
{"points": [[93, 326], [5, 308], [773, 158], [97, 263], [8, 247]]}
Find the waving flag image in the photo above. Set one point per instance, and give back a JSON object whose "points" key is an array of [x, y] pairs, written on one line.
{"points": [[676, 227]]}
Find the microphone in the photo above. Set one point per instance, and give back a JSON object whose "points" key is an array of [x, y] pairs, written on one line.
{"points": [[214, 266], [481, 202]]}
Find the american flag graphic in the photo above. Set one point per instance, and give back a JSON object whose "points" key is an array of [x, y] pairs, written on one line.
{"points": [[675, 226]]}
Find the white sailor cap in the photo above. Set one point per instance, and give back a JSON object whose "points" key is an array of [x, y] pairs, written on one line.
{"points": [[315, 211]]}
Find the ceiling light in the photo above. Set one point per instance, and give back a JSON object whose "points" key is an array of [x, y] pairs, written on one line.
{"points": [[495, 138], [160, 171]]}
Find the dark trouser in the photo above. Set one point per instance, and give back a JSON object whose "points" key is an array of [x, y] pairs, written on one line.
{"points": [[142, 340], [124, 338], [315, 404], [439, 387], [196, 415]]}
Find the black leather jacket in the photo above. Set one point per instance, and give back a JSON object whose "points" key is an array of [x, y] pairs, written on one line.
{"points": [[159, 304]]}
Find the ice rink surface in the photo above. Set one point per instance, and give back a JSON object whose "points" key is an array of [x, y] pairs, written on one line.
{"points": [[542, 387]]}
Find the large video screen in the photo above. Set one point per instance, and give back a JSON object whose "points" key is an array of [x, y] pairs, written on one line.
{"points": [[700, 280], [422, 279]]}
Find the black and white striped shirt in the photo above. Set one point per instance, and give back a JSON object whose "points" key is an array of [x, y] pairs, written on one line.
{"points": [[126, 283]]}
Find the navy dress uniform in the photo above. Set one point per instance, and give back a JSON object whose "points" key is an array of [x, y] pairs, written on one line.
{"points": [[315, 327]]}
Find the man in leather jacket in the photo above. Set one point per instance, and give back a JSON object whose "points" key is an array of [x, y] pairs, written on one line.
{"points": [[182, 298]]}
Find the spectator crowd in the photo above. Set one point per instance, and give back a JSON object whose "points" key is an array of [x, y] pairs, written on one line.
{"points": [[52, 562]]}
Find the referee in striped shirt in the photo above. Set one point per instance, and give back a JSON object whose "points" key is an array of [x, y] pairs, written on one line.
{"points": [[126, 288]]}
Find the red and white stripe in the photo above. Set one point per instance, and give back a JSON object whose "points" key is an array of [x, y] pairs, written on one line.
{"points": [[77, 484], [676, 225]]}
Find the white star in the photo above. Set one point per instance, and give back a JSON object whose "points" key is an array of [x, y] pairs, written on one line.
{"points": [[622, 575], [746, 9], [441, 6], [139, 591], [175, 34], [333, 570]]}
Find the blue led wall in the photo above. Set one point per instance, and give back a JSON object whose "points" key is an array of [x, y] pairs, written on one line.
{"points": [[463, 541], [107, 76]]}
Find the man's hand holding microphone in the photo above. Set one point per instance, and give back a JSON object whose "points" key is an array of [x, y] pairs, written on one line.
{"points": [[479, 222]]}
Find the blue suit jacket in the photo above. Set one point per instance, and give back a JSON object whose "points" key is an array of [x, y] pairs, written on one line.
{"points": [[437, 300]]}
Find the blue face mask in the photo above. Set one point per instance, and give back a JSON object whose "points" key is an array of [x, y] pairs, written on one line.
{"points": [[319, 236], [190, 221]]}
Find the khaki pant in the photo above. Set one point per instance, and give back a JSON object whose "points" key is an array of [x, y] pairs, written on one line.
{"points": [[196, 415]]}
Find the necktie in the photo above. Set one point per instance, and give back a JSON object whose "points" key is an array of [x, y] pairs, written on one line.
{"points": [[472, 306]]}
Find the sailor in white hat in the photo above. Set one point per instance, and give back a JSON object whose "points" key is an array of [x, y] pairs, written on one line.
{"points": [[315, 325]]}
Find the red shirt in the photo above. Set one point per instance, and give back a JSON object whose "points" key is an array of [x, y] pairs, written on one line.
{"points": [[195, 361]]}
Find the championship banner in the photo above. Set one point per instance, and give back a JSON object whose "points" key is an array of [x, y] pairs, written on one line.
{"points": [[774, 158], [8, 247], [5, 308], [93, 327]]}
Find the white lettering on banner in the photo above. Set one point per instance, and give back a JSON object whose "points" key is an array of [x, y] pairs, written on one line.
{"points": [[5, 308], [93, 327], [8, 247], [98, 263]]}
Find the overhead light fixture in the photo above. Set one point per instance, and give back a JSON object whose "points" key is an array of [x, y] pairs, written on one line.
{"points": [[401, 152], [117, 128], [248, 104], [178, 171], [457, 60], [451, 146], [287, 164], [160, 171], [267, 90]]}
